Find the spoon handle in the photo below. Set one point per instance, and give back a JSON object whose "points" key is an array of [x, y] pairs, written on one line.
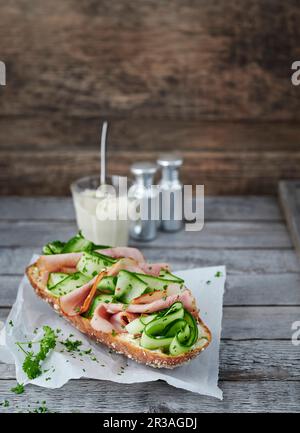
{"points": [[103, 153]]}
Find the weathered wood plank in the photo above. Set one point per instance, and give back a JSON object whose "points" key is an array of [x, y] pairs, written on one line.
{"points": [[250, 208], [242, 360], [214, 235], [230, 172], [76, 63], [268, 396], [37, 208], [259, 360], [277, 289], [248, 323], [108, 58], [42, 132], [238, 261], [259, 322], [289, 196], [228, 208], [255, 375], [240, 289]]}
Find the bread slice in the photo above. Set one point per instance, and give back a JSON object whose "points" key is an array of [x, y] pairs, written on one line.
{"points": [[120, 343]]}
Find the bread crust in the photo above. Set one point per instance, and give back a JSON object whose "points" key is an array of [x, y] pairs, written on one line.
{"points": [[116, 342]]}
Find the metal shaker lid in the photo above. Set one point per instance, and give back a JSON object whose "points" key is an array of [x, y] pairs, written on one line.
{"points": [[172, 160], [141, 168]]}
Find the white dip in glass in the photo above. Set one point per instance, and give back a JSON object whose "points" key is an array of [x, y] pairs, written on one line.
{"points": [[101, 213]]}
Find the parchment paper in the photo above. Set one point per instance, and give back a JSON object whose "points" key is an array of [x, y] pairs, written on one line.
{"points": [[29, 312]]}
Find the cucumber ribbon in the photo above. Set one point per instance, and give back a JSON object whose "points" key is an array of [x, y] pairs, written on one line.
{"points": [[76, 244], [174, 330]]}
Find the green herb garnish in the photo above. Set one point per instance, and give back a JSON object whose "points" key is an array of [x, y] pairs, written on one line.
{"points": [[32, 361], [54, 247], [93, 358], [18, 389], [76, 244], [41, 409], [72, 346]]}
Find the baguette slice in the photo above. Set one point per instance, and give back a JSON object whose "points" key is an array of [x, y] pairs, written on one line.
{"points": [[120, 343]]}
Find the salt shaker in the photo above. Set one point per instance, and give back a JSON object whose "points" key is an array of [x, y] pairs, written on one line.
{"points": [[146, 195], [171, 193]]}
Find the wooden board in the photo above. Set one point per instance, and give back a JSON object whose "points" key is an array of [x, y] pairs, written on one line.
{"points": [[225, 234], [239, 361], [59, 131], [289, 195], [194, 77], [216, 209], [146, 59], [222, 172], [239, 261], [241, 289], [154, 397], [259, 368]]}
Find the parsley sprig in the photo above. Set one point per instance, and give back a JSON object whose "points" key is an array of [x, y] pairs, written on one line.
{"points": [[18, 389], [72, 346], [32, 361]]}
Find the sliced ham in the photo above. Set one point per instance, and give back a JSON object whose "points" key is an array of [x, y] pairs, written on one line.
{"points": [[88, 300], [147, 298], [107, 319], [55, 262], [123, 264], [153, 268], [44, 278], [71, 304], [126, 252], [121, 319], [173, 289], [100, 320], [132, 265], [185, 297], [67, 270], [114, 308]]}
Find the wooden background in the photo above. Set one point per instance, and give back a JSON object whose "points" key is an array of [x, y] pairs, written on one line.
{"points": [[259, 365], [211, 78]]}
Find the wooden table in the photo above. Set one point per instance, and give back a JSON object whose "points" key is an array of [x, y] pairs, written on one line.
{"points": [[259, 365]]}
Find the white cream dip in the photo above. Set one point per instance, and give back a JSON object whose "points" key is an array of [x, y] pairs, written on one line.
{"points": [[103, 219]]}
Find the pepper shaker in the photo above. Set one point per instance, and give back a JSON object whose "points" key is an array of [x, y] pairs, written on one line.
{"points": [[171, 192], [146, 195]]}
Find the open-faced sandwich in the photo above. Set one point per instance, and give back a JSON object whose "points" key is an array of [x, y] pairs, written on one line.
{"points": [[112, 295]]}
